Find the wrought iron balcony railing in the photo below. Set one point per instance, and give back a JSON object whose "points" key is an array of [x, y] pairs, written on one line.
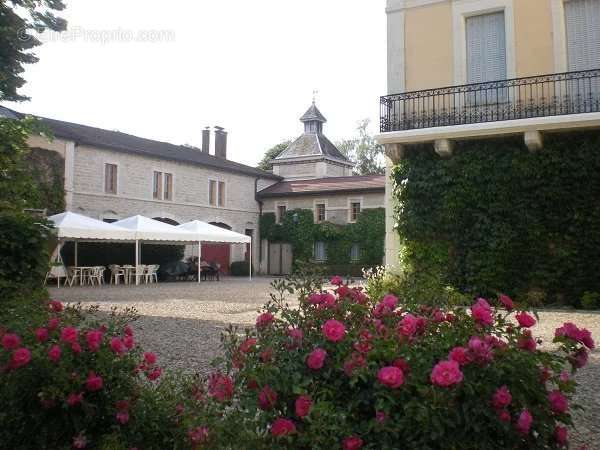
{"points": [[518, 98]]}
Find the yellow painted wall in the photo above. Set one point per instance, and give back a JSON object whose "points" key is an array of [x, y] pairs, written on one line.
{"points": [[428, 46], [534, 46]]}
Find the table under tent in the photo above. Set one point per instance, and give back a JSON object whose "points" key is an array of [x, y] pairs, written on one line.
{"points": [[137, 229]]}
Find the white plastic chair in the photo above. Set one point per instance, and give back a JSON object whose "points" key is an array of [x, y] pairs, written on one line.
{"points": [[138, 271], [152, 273], [116, 272], [97, 275]]}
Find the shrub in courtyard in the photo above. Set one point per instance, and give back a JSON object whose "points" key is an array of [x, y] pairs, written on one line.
{"points": [[69, 380], [348, 371]]}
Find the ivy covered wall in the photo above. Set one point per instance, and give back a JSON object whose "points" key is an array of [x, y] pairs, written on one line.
{"points": [[496, 217], [368, 232]]}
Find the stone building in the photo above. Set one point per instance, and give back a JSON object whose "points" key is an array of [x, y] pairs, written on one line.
{"points": [[316, 177], [111, 175]]}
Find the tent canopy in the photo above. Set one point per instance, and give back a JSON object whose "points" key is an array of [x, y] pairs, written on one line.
{"points": [[146, 229], [205, 232], [74, 226]]}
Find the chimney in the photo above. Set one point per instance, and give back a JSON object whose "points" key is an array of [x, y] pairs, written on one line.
{"points": [[206, 140], [220, 142]]}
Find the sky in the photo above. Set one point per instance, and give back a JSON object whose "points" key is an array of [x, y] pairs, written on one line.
{"points": [[165, 70]]}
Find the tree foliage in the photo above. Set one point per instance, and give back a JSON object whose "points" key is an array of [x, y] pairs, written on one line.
{"points": [[496, 215], [19, 21], [364, 151], [272, 153]]}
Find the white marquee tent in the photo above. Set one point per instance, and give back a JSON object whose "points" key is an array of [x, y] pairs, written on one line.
{"points": [[76, 227]]}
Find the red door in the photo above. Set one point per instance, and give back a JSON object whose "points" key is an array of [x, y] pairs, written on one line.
{"points": [[217, 253]]}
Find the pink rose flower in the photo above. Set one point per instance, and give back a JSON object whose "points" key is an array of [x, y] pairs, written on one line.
{"points": [[56, 306], [571, 331], [10, 341], [558, 402], [20, 357], [150, 358], [390, 300], [352, 443], [524, 422], [564, 377], [53, 323], [265, 319], [408, 325], [402, 364], [282, 427], [580, 358], [76, 348], [220, 387], [507, 302], [391, 377], [69, 334], [527, 343], [116, 345], [198, 435], [482, 312], [94, 340], [248, 345], [303, 405], [154, 374], [460, 355], [337, 280], [129, 342], [334, 330], [525, 320], [315, 298], [327, 300], [122, 417], [94, 382], [267, 398], [446, 373], [41, 334], [502, 397], [561, 435], [79, 441], [316, 359], [480, 350], [296, 334], [54, 353], [74, 399]]}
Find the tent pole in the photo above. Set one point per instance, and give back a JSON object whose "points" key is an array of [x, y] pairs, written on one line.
{"points": [[199, 259], [76, 263], [137, 262], [250, 261]]}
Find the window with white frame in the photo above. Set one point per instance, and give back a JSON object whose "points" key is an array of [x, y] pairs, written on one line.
{"points": [[355, 253], [320, 251], [320, 212], [110, 178], [281, 210], [355, 207]]}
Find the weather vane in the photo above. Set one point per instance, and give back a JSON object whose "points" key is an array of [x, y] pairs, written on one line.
{"points": [[315, 92]]}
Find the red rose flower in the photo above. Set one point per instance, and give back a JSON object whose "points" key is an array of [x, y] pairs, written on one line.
{"points": [[198, 435], [150, 358], [122, 417], [154, 374], [316, 359], [558, 402], [267, 398], [482, 312], [265, 319], [460, 355], [524, 422], [507, 302], [561, 435], [391, 377], [248, 345], [94, 340], [116, 345], [337, 280], [53, 323], [282, 427], [56, 306], [74, 399], [334, 330], [303, 405]]}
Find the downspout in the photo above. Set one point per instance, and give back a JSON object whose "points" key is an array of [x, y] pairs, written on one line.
{"points": [[260, 210]]}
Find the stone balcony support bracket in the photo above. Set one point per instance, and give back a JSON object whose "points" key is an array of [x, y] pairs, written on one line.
{"points": [[395, 152], [534, 140], [444, 147]]}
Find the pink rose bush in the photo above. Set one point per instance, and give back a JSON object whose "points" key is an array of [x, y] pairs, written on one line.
{"points": [[66, 381], [343, 367]]}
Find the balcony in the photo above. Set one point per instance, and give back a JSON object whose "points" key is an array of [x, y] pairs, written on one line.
{"points": [[519, 105]]}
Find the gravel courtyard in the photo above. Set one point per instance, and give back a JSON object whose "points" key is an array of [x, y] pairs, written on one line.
{"points": [[182, 323]]}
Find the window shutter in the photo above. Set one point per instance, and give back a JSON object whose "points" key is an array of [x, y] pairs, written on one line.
{"points": [[583, 34], [486, 48]]}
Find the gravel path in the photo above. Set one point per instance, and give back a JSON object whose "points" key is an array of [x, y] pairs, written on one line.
{"points": [[182, 323]]}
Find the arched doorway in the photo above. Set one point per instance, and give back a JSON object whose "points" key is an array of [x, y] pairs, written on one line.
{"points": [[218, 253]]}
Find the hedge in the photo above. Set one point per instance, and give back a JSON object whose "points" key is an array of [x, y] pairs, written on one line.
{"points": [[496, 215]]}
